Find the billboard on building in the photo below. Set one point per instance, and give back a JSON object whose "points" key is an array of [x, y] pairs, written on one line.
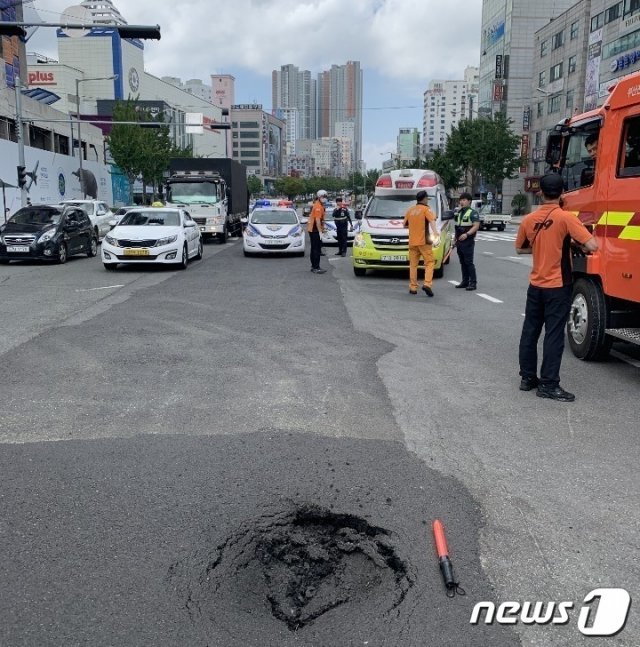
{"points": [[592, 76], [524, 153]]}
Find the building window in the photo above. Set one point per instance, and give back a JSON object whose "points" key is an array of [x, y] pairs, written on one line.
{"points": [[558, 40], [246, 153], [553, 104], [631, 7], [621, 45], [249, 135], [540, 111], [575, 30], [597, 21], [542, 79], [570, 94], [249, 124], [573, 61], [555, 72], [538, 139], [613, 13], [543, 48]]}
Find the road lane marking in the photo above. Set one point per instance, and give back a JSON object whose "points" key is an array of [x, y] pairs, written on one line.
{"points": [[106, 287], [454, 282], [489, 298], [487, 253]]}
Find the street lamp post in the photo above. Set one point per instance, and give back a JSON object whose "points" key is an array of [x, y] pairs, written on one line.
{"points": [[20, 139], [78, 82]]}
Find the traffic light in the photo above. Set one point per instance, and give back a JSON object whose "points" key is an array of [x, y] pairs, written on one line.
{"points": [[22, 176], [12, 29], [142, 32]]}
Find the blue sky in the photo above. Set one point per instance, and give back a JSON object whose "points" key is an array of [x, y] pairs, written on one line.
{"points": [[401, 46]]}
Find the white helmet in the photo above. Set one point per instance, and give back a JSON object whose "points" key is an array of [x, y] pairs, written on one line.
{"points": [[322, 193]]}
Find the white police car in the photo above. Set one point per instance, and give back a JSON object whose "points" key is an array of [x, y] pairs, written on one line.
{"points": [[272, 229]]}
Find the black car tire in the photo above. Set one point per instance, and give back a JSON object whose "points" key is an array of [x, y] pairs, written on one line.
{"points": [[185, 259], [359, 271], [501, 227], [439, 273], [4, 261], [110, 266], [587, 322], [198, 256], [246, 253], [62, 253], [223, 236], [92, 247]]}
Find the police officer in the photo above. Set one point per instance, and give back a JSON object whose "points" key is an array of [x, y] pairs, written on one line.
{"points": [[467, 224], [343, 220]]}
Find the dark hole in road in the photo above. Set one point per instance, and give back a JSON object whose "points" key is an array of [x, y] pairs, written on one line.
{"points": [[321, 560], [296, 566]]}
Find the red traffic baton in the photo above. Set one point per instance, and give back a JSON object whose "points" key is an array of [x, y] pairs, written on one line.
{"points": [[446, 567]]}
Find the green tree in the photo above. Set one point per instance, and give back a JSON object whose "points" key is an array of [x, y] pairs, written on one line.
{"points": [[485, 150], [289, 186], [254, 185], [445, 167], [126, 142]]}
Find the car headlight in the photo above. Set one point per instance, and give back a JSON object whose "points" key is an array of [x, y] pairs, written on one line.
{"points": [[112, 241], [47, 236], [166, 241], [296, 232], [250, 232], [436, 241], [358, 240]]}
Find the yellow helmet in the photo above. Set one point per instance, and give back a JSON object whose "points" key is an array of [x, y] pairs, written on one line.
{"points": [[157, 203]]}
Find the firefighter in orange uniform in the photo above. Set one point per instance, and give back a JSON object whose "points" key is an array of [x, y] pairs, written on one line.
{"points": [[315, 227], [419, 219]]}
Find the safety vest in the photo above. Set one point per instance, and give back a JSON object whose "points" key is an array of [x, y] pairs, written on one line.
{"points": [[463, 218]]}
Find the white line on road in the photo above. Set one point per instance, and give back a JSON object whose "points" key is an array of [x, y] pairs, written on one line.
{"points": [[489, 298], [106, 287], [625, 358], [454, 282], [487, 253]]}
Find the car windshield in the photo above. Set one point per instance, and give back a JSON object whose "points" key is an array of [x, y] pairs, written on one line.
{"points": [[274, 217], [35, 216], [192, 193], [151, 217], [395, 207], [87, 207]]}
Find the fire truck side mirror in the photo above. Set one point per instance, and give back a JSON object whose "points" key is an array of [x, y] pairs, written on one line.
{"points": [[554, 149]]}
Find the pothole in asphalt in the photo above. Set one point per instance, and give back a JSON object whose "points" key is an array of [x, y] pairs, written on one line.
{"points": [[300, 565]]}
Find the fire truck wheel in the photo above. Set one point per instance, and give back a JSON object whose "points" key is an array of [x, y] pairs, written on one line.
{"points": [[588, 321]]}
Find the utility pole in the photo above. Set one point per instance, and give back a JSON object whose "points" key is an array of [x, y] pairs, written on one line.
{"points": [[20, 138]]}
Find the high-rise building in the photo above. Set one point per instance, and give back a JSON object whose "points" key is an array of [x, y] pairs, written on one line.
{"points": [[408, 144], [445, 104], [340, 100], [508, 39], [291, 90]]}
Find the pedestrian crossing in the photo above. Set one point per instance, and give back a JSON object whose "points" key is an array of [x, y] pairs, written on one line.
{"points": [[496, 236]]}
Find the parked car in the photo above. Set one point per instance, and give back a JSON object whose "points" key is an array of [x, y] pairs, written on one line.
{"points": [[153, 235], [273, 229], [99, 213], [47, 232]]}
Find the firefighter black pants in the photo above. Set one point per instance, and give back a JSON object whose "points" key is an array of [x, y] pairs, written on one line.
{"points": [[548, 307], [466, 249], [341, 230], [314, 239]]}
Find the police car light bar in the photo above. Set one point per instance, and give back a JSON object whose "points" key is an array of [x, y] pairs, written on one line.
{"points": [[429, 179], [384, 182]]}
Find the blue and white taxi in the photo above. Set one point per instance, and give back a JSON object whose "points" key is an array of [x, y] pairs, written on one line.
{"points": [[272, 229]]}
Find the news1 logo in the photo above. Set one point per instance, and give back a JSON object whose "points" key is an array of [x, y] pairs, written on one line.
{"points": [[604, 612]]}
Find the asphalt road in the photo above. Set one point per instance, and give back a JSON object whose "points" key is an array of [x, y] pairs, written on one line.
{"points": [[249, 454]]}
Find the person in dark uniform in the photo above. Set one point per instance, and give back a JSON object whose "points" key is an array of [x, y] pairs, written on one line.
{"points": [[467, 224], [343, 221]]}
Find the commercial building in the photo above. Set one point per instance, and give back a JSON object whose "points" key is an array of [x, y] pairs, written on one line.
{"points": [[445, 104], [258, 141], [294, 93], [408, 144], [507, 53]]}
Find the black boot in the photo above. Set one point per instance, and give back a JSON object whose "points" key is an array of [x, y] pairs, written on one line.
{"points": [[462, 284], [471, 286]]}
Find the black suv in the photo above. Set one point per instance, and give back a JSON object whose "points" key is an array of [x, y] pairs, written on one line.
{"points": [[46, 232]]}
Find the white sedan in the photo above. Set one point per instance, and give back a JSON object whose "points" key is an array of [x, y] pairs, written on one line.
{"points": [[152, 235], [273, 229]]}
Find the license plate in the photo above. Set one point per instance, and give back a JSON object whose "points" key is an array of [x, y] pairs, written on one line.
{"points": [[272, 242], [20, 249], [136, 252], [390, 257], [404, 185]]}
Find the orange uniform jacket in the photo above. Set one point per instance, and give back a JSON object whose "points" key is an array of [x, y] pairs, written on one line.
{"points": [[551, 248], [316, 217], [417, 219]]}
